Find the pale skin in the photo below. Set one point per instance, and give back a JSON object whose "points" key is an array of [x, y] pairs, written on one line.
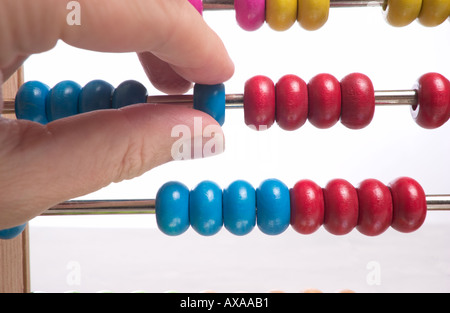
{"points": [[41, 166]]}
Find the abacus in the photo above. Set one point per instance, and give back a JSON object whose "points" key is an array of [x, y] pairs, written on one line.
{"points": [[291, 102]]}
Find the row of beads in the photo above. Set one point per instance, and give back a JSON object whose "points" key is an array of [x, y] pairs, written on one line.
{"points": [[280, 15], [324, 101], [339, 207], [36, 102]]}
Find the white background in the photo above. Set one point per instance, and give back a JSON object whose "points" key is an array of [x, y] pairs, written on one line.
{"points": [[128, 253]]}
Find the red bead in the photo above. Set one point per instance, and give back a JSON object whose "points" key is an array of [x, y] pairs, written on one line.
{"points": [[341, 207], [358, 101], [324, 98], [259, 102], [375, 207], [410, 205], [307, 207], [433, 109], [291, 102]]}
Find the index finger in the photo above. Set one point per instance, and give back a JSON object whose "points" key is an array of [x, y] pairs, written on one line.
{"points": [[172, 30]]}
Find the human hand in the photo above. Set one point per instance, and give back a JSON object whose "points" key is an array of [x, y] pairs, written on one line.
{"points": [[41, 166]]}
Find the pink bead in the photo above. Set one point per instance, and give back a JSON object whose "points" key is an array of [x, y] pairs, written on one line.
{"points": [[198, 5], [250, 14]]}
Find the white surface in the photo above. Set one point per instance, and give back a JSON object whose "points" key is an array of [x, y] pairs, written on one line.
{"points": [[128, 253]]}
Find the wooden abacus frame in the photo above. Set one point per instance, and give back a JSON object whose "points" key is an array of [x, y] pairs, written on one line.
{"points": [[14, 254]]}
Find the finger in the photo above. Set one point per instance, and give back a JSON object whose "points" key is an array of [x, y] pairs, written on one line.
{"points": [[42, 166], [162, 76], [172, 30]]}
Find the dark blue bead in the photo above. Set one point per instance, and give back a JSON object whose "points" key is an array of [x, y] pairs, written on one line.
{"points": [[172, 208], [239, 208], [127, 93], [62, 100], [30, 102], [211, 100], [96, 95], [12, 233], [273, 207], [205, 208]]}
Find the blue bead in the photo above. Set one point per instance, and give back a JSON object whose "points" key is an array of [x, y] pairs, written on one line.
{"points": [[205, 208], [273, 207], [211, 100], [62, 100], [172, 208], [30, 102], [239, 208], [127, 93], [96, 95], [12, 233]]}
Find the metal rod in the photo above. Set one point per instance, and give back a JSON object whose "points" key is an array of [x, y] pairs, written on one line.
{"points": [[215, 5], [236, 101], [113, 207]]}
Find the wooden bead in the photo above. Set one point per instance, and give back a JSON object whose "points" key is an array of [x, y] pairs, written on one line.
{"points": [[239, 208], [341, 207], [127, 93], [291, 102], [95, 95], [281, 14], [307, 207], [172, 208], [375, 207], [402, 12], [409, 203], [324, 101], [358, 101], [30, 102], [250, 14], [259, 102], [205, 208], [273, 203], [434, 12], [211, 100], [62, 100], [433, 109], [313, 14]]}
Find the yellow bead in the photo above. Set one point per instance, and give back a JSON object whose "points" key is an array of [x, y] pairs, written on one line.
{"points": [[281, 14], [434, 12], [313, 14], [402, 12]]}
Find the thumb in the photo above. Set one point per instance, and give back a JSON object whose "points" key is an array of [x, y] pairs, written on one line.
{"points": [[42, 166]]}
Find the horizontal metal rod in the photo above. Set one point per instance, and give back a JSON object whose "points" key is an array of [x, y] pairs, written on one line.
{"points": [[215, 5], [112, 207], [236, 101]]}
